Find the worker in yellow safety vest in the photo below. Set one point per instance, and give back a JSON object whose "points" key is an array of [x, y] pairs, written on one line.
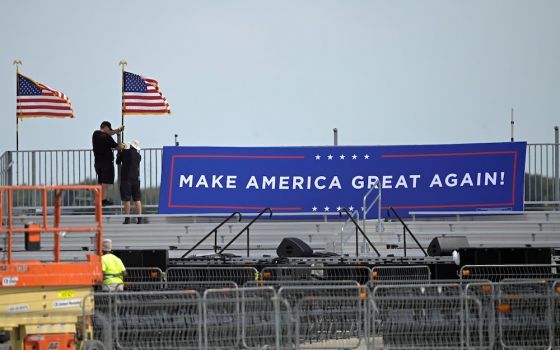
{"points": [[113, 269]]}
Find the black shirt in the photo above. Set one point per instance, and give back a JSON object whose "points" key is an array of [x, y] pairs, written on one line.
{"points": [[130, 167], [103, 145]]}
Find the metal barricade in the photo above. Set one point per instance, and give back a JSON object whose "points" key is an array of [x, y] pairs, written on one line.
{"points": [[292, 294], [143, 279], [238, 275], [417, 315], [423, 322], [199, 286], [277, 284], [93, 345], [144, 274], [358, 273], [555, 299], [516, 314], [524, 315], [496, 273], [388, 274], [418, 290], [484, 292], [148, 320], [97, 328], [340, 324], [240, 318], [331, 322]]}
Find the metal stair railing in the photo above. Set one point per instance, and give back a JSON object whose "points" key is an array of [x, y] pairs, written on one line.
{"points": [[215, 232], [367, 208], [345, 238], [358, 229], [405, 230], [246, 228]]}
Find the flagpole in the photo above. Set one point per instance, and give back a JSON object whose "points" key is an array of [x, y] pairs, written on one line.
{"points": [[17, 63], [122, 63]]}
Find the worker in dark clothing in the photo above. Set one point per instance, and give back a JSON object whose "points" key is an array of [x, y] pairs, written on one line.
{"points": [[103, 146], [129, 159]]}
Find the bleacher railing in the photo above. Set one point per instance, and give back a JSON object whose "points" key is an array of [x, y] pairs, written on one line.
{"points": [[72, 167], [542, 175], [75, 167]]}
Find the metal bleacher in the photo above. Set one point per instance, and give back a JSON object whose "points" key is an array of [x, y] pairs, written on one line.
{"points": [[531, 228], [179, 233]]}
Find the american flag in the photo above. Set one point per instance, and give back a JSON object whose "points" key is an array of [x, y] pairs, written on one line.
{"points": [[37, 100], [141, 95]]}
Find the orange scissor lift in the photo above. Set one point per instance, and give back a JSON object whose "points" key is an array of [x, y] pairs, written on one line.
{"points": [[43, 303]]}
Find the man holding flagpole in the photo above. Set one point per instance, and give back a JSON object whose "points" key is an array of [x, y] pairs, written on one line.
{"points": [[129, 160], [103, 146]]}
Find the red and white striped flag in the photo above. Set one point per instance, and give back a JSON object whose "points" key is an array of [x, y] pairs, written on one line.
{"points": [[37, 100], [141, 95]]}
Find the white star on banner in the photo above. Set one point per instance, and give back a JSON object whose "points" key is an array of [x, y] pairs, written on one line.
{"points": [[338, 208], [366, 156], [317, 157], [327, 208], [354, 157], [329, 156], [314, 208], [342, 156], [351, 208]]}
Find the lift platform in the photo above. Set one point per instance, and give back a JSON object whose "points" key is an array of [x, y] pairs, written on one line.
{"points": [[44, 304]]}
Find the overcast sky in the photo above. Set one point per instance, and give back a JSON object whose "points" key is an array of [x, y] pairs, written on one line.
{"points": [[285, 73]]}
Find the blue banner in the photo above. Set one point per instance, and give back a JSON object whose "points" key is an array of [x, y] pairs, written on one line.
{"points": [[461, 177]]}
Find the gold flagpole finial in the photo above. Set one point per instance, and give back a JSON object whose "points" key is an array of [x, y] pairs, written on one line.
{"points": [[17, 63], [123, 63]]}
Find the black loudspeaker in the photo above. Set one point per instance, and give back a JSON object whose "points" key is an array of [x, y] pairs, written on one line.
{"points": [[293, 248], [444, 246], [144, 258]]}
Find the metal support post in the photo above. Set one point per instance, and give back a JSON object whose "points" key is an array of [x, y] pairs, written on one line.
{"points": [[557, 162], [9, 167], [404, 239], [335, 135], [33, 169], [512, 123]]}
